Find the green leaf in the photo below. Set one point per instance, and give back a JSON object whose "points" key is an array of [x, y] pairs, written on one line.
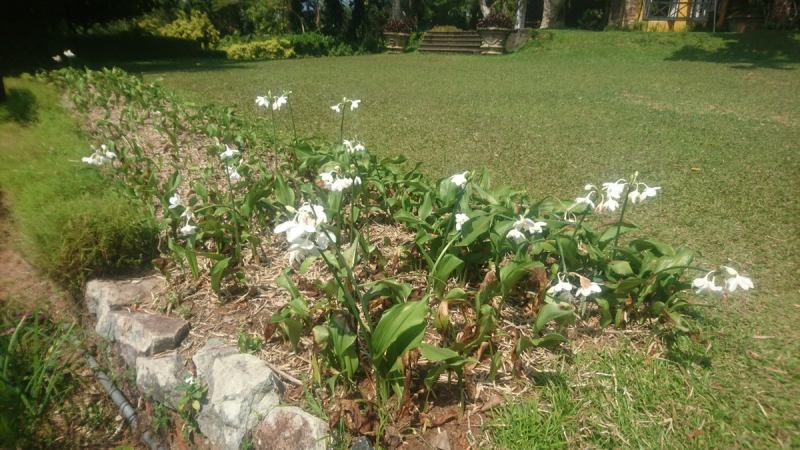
{"points": [[293, 329], [343, 340], [621, 267], [630, 284], [426, 207], [283, 192], [434, 353], [441, 273], [217, 272], [401, 328], [474, 229], [641, 245], [552, 312], [611, 232], [456, 294], [285, 282], [605, 312], [683, 257]]}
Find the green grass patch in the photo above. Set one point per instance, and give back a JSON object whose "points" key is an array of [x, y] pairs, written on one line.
{"points": [[73, 225], [574, 108]]}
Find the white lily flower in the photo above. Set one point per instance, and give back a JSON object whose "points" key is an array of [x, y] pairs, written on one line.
{"points": [[569, 217], [228, 153], [189, 380], [341, 184], [188, 214], [354, 104], [276, 105], [589, 187], [648, 192], [586, 200], [357, 180], [109, 155], [611, 204], [327, 178], [529, 225], [560, 286], [174, 201], [515, 234], [294, 229], [461, 219], [336, 107], [233, 174], [57, 58], [460, 179], [359, 147], [705, 286], [95, 160], [614, 190], [69, 54], [634, 196], [188, 229], [262, 101], [588, 287], [313, 215], [737, 281]]}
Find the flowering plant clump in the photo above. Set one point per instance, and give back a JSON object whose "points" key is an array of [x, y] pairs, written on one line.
{"points": [[495, 20], [398, 26], [472, 246]]}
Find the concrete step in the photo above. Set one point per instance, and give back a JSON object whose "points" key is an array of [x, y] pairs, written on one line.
{"points": [[469, 51], [450, 44]]}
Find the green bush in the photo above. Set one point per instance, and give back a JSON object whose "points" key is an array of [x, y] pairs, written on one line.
{"points": [[196, 27], [271, 49], [311, 44]]}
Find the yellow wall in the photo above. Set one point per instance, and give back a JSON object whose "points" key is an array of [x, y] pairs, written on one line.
{"points": [[676, 25]]}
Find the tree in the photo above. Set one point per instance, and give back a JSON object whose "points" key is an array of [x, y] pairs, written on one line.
{"points": [[551, 16], [522, 11]]}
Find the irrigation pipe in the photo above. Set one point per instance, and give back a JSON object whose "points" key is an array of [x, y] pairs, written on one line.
{"points": [[127, 410]]}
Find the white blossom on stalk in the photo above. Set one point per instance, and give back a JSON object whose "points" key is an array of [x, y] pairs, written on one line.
{"points": [[461, 219], [353, 148], [586, 200], [228, 153], [614, 190], [276, 105], [69, 54], [233, 174], [57, 58], [611, 204], [188, 229], [587, 287], [648, 192], [341, 184], [529, 225], [705, 286], [109, 154], [188, 214], [174, 201], [327, 178], [354, 104], [357, 180], [299, 230], [262, 101], [560, 286], [336, 107], [737, 280], [459, 179], [95, 160], [515, 234]]}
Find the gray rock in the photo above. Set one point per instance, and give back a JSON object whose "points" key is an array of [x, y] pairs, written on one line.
{"points": [[159, 376], [139, 334], [242, 391], [213, 349], [362, 443], [103, 296], [289, 428]]}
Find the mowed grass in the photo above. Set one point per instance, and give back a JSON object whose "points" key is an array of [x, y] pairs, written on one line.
{"points": [[712, 119]]}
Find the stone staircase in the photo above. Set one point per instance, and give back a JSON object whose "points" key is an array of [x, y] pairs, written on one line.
{"points": [[462, 42]]}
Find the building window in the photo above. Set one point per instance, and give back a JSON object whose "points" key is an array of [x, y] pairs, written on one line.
{"points": [[699, 10]]}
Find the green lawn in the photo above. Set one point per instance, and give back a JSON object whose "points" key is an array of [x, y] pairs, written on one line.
{"points": [[576, 108]]}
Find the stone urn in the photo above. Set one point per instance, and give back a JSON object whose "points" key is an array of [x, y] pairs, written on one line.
{"points": [[493, 40], [396, 42]]}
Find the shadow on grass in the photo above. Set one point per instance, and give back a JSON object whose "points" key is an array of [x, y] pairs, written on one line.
{"points": [[20, 107], [767, 49], [176, 65]]}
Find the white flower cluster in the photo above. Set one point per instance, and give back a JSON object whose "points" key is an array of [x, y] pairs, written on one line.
{"points": [[174, 202], [587, 287], [526, 225], [353, 148], [704, 286], [353, 105], [304, 233], [99, 157], [336, 183], [276, 101], [611, 193]]}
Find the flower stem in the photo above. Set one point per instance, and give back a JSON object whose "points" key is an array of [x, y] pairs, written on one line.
{"points": [[238, 249], [274, 140], [341, 126], [621, 216], [583, 216], [563, 258], [291, 113]]}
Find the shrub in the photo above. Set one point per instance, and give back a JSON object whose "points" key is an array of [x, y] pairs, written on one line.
{"points": [[197, 27], [445, 28], [311, 44], [271, 49], [495, 20], [397, 26]]}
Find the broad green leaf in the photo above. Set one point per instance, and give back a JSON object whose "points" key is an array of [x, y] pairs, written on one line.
{"points": [[426, 207], [283, 192], [475, 228], [217, 272], [441, 273], [401, 328], [611, 232], [552, 312], [621, 267], [434, 353], [641, 245], [683, 257]]}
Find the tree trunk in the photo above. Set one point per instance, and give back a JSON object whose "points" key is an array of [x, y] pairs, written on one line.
{"points": [[522, 11], [2, 90], [552, 11], [316, 13], [397, 10], [486, 10]]}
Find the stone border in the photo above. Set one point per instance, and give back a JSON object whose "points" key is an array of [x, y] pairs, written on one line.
{"points": [[244, 395]]}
